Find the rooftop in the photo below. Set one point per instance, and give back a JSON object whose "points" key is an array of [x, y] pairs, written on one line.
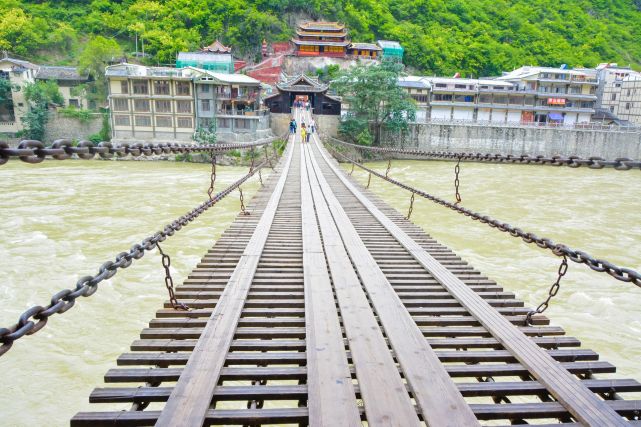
{"points": [[321, 25], [46, 72], [217, 47], [529, 71], [228, 78], [134, 70], [364, 46], [205, 57], [389, 44], [19, 63]]}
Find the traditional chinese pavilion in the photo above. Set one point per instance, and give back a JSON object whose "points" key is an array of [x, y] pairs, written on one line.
{"points": [[305, 88], [321, 39]]}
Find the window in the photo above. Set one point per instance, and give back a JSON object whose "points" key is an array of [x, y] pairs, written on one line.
{"points": [[612, 108], [164, 121], [163, 106], [183, 106], [629, 92], [242, 124], [205, 123], [224, 123], [143, 121], [614, 97], [460, 86], [182, 88], [121, 104], [184, 122], [205, 105], [141, 87], [204, 88], [161, 87], [628, 105], [74, 103], [141, 105], [121, 120], [440, 97], [124, 86], [441, 85]]}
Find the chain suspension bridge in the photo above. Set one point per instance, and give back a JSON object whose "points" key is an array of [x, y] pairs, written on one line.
{"points": [[322, 305]]}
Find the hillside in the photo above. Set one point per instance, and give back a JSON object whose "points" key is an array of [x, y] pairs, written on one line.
{"points": [[474, 37]]}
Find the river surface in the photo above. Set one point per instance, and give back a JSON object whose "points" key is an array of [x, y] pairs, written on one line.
{"points": [[62, 220]]}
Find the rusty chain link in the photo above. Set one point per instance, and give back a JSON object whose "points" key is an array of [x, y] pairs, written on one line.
{"points": [[31, 151], [242, 202], [411, 208], [369, 180], [554, 289], [457, 170], [389, 166], [352, 171], [212, 178], [620, 163], [169, 281], [36, 317], [580, 257]]}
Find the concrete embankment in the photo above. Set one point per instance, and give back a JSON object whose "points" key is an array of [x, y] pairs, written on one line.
{"points": [[519, 140]]}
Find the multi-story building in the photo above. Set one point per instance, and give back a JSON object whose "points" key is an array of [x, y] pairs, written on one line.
{"points": [[232, 100], [474, 100], [160, 104], [619, 92], [321, 39], [561, 96], [20, 73]]}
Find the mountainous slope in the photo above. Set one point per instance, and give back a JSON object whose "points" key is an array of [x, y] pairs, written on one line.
{"points": [[474, 37]]}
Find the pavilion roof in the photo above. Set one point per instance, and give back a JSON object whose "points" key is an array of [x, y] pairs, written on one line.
{"points": [[321, 26], [301, 83], [217, 47], [364, 46], [319, 43]]}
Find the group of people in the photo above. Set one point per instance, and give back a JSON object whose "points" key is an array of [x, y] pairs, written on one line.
{"points": [[302, 104], [305, 131]]}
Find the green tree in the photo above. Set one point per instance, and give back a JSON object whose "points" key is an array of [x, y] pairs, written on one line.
{"points": [[39, 95], [206, 135], [97, 54], [375, 100]]}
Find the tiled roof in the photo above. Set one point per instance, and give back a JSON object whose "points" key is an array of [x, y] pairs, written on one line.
{"points": [[364, 46], [217, 47], [321, 25], [319, 43], [60, 73]]}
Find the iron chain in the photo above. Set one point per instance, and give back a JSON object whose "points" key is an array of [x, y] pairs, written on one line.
{"points": [[169, 281], [32, 151], [620, 163], [457, 170], [580, 257], [411, 208], [36, 317], [554, 289], [212, 179]]}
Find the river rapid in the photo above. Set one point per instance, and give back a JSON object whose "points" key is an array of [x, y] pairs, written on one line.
{"points": [[62, 220]]}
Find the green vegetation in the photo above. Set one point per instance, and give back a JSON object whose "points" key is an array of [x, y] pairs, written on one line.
{"points": [[206, 135], [79, 114], [375, 100], [39, 95], [474, 37]]}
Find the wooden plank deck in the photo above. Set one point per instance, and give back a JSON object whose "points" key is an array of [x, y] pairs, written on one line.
{"points": [[326, 307]]}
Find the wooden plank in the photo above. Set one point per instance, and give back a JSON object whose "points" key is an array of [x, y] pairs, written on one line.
{"points": [[435, 393], [385, 398], [331, 400], [192, 395], [584, 405]]}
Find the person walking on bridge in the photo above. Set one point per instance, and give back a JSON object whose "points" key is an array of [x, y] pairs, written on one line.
{"points": [[303, 133], [292, 126]]}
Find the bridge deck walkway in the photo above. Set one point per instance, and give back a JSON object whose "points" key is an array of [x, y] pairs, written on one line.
{"points": [[326, 307]]}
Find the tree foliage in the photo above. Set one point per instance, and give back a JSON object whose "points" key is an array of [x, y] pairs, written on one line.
{"points": [[39, 95], [473, 37], [375, 100], [96, 55]]}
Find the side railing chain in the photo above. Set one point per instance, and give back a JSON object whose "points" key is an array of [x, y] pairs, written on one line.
{"points": [[580, 257], [32, 151], [620, 163], [36, 317]]}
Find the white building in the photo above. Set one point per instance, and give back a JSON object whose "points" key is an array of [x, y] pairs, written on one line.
{"points": [[561, 96]]}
